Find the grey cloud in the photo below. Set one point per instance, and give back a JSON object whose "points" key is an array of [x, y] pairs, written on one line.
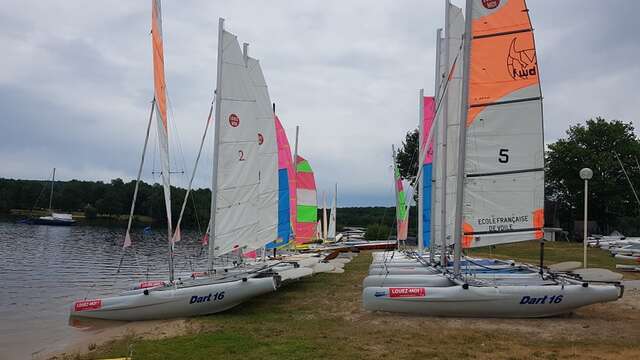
{"points": [[76, 79]]}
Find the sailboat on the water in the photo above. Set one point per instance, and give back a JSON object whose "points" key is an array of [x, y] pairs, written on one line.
{"points": [[54, 218], [236, 188], [499, 181]]}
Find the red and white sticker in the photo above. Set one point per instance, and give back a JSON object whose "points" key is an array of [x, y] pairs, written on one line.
{"points": [[490, 4], [407, 292], [150, 284], [85, 305], [234, 120]]}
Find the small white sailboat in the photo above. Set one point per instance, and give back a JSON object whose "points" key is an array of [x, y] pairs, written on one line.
{"points": [[236, 165], [55, 219], [499, 180]]}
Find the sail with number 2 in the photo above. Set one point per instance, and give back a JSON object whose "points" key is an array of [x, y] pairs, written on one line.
{"points": [[504, 167], [235, 207]]}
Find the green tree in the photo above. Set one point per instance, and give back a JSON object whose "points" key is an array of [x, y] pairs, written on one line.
{"points": [[594, 145], [377, 232], [407, 157]]}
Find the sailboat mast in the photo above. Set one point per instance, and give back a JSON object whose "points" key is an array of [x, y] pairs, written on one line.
{"points": [[420, 167], [462, 135], [436, 154], [324, 215], [53, 179], [216, 147], [444, 134], [395, 189]]}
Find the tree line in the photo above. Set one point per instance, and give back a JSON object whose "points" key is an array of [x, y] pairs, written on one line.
{"points": [[113, 199]]}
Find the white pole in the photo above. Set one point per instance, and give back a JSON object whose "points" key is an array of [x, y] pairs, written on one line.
{"points": [[295, 177], [420, 165], [53, 179], [216, 141], [436, 156], [586, 204], [462, 140], [324, 216], [444, 134]]}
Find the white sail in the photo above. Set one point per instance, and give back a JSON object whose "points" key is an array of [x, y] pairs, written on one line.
{"points": [[331, 234], [234, 222], [268, 160], [436, 211], [504, 176]]}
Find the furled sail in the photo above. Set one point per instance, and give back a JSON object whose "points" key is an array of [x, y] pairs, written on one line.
{"points": [[286, 189], [428, 114], [402, 213], [267, 159], [161, 105], [236, 167], [504, 177], [307, 202], [437, 163]]}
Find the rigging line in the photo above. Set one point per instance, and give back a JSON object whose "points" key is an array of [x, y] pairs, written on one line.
{"points": [[195, 167], [178, 141], [439, 103], [628, 179], [440, 97]]}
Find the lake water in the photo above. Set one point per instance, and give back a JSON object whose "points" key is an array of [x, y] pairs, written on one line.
{"points": [[45, 268]]}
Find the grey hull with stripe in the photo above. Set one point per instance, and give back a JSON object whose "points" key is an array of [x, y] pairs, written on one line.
{"points": [[489, 301], [172, 302]]}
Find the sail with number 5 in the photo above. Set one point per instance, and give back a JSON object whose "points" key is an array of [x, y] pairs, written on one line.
{"points": [[504, 155]]}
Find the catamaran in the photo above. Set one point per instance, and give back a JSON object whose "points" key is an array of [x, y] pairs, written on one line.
{"points": [[239, 171], [499, 178]]}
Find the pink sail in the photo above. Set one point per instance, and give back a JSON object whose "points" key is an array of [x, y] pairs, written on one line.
{"points": [[285, 161], [429, 111]]}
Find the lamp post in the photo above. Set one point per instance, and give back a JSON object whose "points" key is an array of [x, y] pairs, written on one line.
{"points": [[585, 174]]}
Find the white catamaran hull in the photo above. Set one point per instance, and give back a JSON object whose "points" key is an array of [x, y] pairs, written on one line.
{"points": [[480, 301], [171, 302]]}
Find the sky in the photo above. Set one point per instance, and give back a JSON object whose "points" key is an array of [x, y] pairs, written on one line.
{"points": [[76, 80]]}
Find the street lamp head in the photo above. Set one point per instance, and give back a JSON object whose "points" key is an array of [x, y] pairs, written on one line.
{"points": [[586, 174]]}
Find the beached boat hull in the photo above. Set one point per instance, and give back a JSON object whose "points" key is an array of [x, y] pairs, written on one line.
{"points": [[488, 301], [175, 302]]}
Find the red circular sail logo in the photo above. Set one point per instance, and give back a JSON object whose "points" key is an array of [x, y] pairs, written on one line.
{"points": [[260, 139], [490, 4], [234, 120]]}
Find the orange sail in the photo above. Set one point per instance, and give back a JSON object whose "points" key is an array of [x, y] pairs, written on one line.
{"points": [[504, 155]]}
